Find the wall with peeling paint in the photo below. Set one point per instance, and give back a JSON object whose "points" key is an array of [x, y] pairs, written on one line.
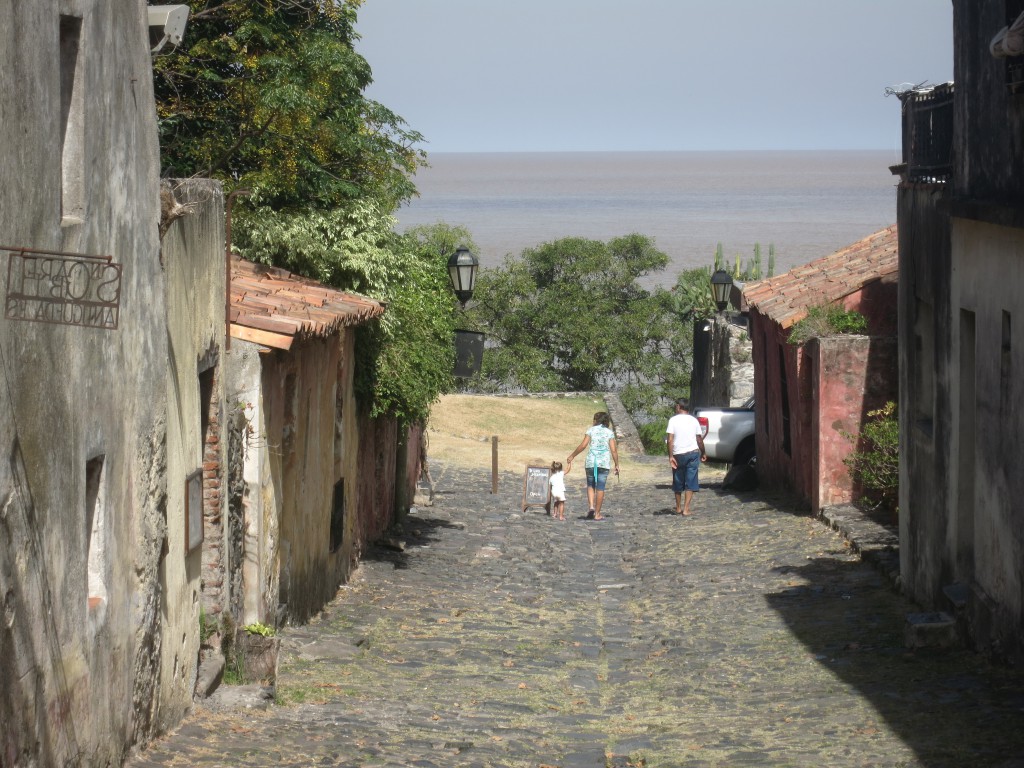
{"points": [[961, 270], [193, 257], [83, 496]]}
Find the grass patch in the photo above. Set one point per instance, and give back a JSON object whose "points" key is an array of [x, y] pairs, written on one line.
{"points": [[530, 430]]}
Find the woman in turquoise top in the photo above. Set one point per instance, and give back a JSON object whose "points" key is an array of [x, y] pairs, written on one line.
{"points": [[603, 454]]}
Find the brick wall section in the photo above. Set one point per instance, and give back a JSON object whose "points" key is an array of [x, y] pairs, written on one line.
{"points": [[214, 598]]}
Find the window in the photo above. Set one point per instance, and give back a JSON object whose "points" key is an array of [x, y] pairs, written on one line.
{"points": [[1005, 366], [290, 424], [96, 527], [338, 515], [72, 109], [923, 366], [967, 446], [787, 436]]}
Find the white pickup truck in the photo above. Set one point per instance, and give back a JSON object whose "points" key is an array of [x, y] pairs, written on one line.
{"points": [[728, 433]]}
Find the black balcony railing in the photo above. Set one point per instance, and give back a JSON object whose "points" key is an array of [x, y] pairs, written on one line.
{"points": [[928, 134]]}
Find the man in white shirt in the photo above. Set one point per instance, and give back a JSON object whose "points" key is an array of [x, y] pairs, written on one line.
{"points": [[685, 453]]}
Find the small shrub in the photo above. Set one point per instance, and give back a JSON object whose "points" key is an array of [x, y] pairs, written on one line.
{"points": [[652, 435], [827, 320], [876, 464]]}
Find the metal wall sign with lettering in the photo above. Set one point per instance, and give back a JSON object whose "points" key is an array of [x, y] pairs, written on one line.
{"points": [[62, 288]]}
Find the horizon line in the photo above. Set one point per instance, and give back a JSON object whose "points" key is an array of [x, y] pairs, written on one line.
{"points": [[639, 151]]}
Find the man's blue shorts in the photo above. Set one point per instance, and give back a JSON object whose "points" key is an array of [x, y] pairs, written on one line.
{"points": [[684, 476], [597, 483]]}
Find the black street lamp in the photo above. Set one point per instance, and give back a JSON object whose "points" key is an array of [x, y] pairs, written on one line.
{"points": [[721, 286], [462, 267]]}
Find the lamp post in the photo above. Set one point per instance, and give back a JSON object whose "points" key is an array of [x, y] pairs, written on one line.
{"points": [[462, 267], [721, 285], [469, 345]]}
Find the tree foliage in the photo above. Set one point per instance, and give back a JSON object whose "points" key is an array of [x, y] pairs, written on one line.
{"points": [[407, 358], [269, 95], [571, 315]]}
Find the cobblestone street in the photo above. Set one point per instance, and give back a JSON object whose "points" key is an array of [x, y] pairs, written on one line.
{"points": [[749, 634]]}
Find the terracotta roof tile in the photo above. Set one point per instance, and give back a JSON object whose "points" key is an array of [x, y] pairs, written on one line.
{"points": [[284, 304], [786, 298]]}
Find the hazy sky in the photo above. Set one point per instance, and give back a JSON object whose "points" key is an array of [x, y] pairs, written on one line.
{"points": [[566, 75]]}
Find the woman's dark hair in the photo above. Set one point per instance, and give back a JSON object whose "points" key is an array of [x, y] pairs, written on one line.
{"points": [[602, 418]]}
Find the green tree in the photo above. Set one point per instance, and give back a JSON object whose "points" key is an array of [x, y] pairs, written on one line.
{"points": [[269, 96], [571, 315], [407, 357]]}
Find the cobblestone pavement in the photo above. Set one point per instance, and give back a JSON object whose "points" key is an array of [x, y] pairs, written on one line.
{"points": [[749, 634]]}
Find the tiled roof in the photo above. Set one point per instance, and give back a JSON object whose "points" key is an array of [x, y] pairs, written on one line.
{"points": [[786, 298], [273, 307]]}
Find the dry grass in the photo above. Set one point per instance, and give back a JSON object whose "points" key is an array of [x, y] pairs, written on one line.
{"points": [[530, 430]]}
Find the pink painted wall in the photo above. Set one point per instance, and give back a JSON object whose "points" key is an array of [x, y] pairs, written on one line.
{"points": [[824, 386], [851, 376], [877, 301]]}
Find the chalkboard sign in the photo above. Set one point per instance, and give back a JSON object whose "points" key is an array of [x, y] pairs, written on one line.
{"points": [[536, 489]]}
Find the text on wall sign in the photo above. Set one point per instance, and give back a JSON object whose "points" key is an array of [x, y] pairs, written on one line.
{"points": [[62, 288]]}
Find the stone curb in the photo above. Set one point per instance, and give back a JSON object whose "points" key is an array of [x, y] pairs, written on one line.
{"points": [[876, 543]]}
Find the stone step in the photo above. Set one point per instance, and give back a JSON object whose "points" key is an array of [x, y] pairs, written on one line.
{"points": [[936, 629]]}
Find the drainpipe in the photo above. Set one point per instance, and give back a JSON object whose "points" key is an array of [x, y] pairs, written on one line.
{"points": [[227, 263]]}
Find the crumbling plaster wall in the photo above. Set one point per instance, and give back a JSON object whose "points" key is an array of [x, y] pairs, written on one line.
{"points": [[300, 438], [984, 540], [193, 256], [252, 447], [79, 671], [302, 411]]}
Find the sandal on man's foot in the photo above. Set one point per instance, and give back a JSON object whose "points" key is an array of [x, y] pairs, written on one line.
{"points": [[590, 514]]}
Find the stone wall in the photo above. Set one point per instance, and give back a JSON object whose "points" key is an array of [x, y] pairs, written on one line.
{"points": [[723, 366]]}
